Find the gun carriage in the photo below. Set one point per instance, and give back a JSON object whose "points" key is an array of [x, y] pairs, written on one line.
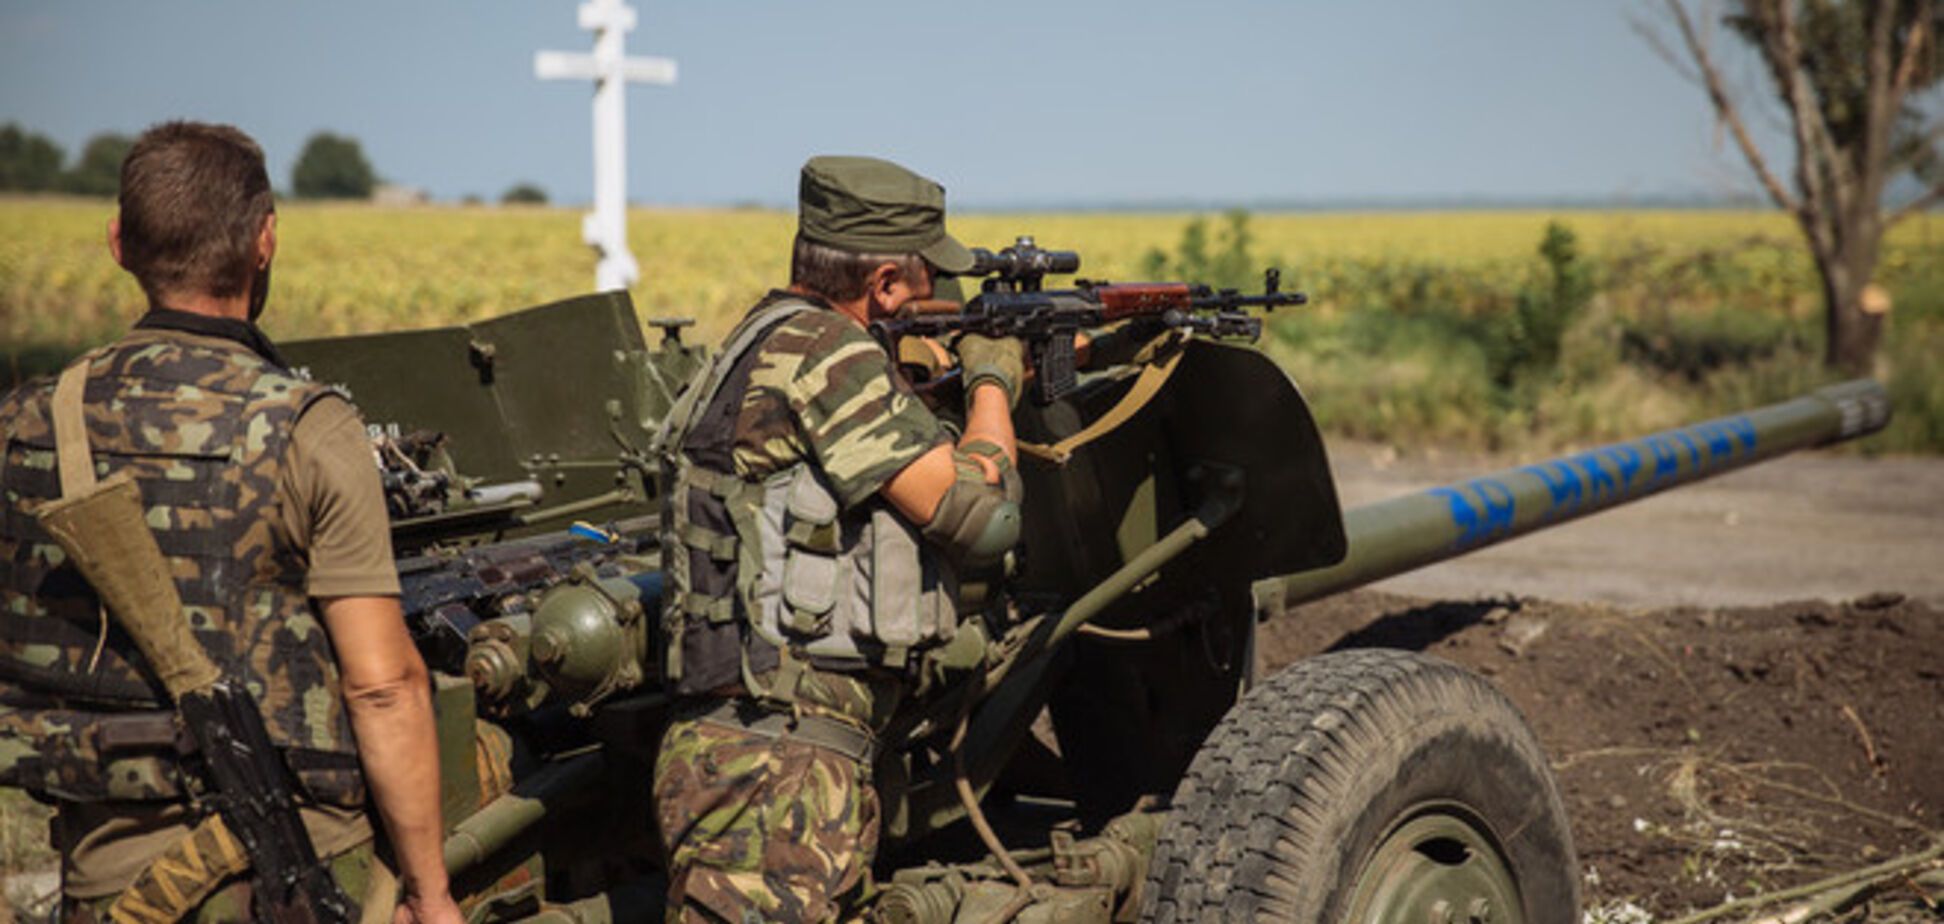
{"points": [[1094, 746]]}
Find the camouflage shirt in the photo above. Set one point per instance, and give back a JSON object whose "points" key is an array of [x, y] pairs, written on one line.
{"points": [[822, 391]]}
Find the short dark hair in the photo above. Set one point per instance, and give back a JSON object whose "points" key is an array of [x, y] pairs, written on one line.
{"points": [[193, 199], [841, 275]]}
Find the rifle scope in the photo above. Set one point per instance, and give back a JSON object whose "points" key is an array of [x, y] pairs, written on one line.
{"points": [[1023, 260]]}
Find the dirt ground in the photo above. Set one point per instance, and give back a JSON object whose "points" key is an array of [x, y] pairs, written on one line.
{"points": [[1739, 684]]}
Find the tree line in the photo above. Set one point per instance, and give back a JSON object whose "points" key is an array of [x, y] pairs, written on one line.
{"points": [[32, 162], [330, 166]]}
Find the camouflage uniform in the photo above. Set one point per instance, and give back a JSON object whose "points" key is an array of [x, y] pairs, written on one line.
{"points": [[202, 423], [771, 828], [757, 826]]}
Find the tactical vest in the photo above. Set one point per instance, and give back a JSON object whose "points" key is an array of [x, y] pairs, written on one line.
{"points": [[202, 425], [754, 567]]}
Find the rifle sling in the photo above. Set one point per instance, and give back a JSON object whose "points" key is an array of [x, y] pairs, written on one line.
{"points": [[71, 430], [1146, 386], [76, 459], [180, 878]]}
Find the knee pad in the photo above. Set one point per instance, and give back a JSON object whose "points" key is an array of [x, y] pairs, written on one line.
{"points": [[977, 522]]}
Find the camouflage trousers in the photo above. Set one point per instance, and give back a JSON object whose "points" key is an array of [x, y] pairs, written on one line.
{"points": [[759, 828]]}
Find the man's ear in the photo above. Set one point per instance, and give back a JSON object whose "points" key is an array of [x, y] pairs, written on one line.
{"points": [[883, 278], [266, 243], [114, 240]]}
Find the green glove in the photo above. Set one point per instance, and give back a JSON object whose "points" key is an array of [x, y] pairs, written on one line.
{"points": [[1000, 360]]}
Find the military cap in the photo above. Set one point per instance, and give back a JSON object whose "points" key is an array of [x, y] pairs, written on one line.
{"points": [[867, 205]]}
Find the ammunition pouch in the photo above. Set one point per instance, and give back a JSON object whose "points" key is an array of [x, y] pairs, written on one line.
{"points": [[116, 757], [845, 588], [91, 756]]}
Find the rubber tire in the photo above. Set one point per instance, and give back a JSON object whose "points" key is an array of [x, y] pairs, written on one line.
{"points": [[1287, 799]]}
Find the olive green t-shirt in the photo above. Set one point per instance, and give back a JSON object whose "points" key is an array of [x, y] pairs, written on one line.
{"points": [[333, 506], [333, 509]]}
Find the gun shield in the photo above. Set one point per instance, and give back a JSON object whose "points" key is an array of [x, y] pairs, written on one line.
{"points": [[103, 530]]}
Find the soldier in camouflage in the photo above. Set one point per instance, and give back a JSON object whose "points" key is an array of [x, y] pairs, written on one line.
{"points": [[262, 495], [817, 518]]}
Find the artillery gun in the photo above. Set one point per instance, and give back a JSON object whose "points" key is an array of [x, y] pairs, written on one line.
{"points": [[1098, 751]]}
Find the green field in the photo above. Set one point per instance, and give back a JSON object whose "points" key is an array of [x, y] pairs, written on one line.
{"points": [[1410, 337]]}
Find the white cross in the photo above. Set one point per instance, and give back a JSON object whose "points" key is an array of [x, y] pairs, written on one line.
{"points": [[609, 67]]}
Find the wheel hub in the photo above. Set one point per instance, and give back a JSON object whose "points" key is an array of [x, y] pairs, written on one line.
{"points": [[1437, 867]]}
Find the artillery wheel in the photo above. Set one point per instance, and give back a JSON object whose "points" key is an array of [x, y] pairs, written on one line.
{"points": [[1366, 787]]}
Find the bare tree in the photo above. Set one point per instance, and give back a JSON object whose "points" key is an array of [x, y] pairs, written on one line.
{"points": [[1847, 74]]}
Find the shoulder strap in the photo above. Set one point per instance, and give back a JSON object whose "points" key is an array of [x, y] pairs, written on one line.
{"points": [[76, 459], [71, 429], [760, 322]]}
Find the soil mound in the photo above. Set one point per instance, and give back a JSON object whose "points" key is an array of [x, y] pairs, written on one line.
{"points": [[1704, 754]]}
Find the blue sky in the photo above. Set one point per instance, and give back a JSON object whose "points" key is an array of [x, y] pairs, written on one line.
{"points": [[1083, 103]]}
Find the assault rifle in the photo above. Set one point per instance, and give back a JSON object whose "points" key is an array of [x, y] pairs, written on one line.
{"points": [[1011, 303], [102, 529]]}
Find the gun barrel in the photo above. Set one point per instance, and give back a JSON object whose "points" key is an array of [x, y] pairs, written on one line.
{"points": [[497, 823], [1398, 535]]}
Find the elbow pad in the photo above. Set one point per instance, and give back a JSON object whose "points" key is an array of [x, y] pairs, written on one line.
{"points": [[977, 523]]}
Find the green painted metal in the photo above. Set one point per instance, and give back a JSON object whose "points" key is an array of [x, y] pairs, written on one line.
{"points": [[1220, 505], [1404, 533], [1004, 715], [1436, 867], [496, 824], [455, 709], [549, 394], [1224, 406], [590, 637]]}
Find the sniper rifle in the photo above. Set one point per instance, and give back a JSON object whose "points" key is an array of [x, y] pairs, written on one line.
{"points": [[1012, 303]]}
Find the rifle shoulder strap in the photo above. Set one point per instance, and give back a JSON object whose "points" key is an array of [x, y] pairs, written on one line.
{"points": [[180, 878], [75, 459], [71, 448], [1146, 386]]}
